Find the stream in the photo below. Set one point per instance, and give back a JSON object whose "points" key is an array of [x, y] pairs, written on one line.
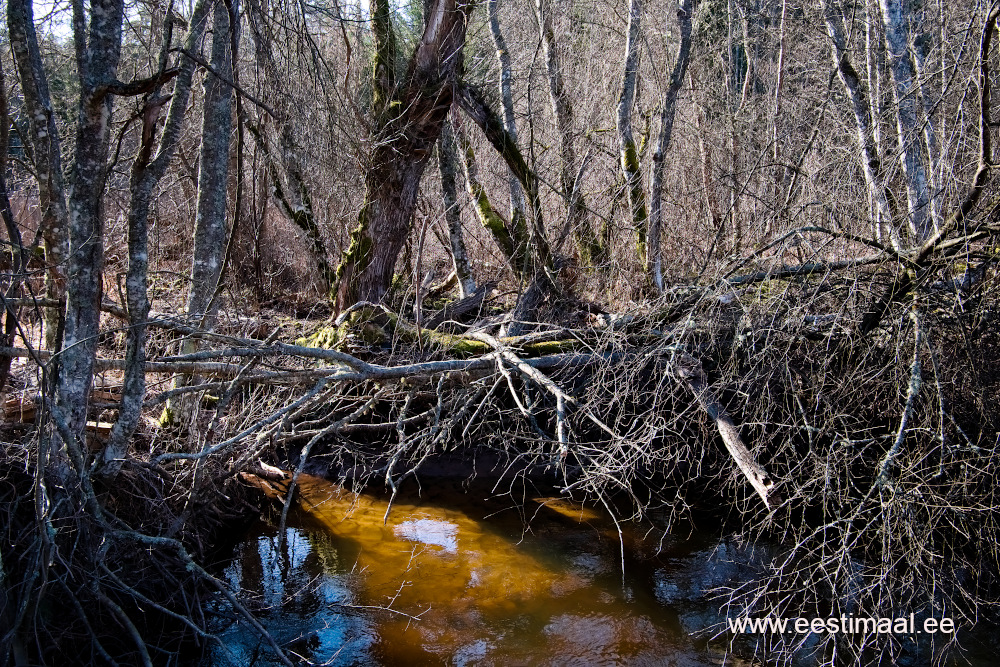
{"points": [[451, 577]]}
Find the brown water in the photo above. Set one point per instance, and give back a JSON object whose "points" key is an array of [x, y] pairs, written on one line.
{"points": [[451, 578]]}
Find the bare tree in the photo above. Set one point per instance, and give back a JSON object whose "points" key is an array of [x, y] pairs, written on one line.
{"points": [[211, 224], [668, 108], [629, 156], [408, 112], [577, 219], [871, 160], [898, 15], [507, 100], [47, 153], [147, 172], [447, 165]]}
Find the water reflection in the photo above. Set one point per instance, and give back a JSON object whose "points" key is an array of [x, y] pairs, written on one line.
{"points": [[437, 583]]}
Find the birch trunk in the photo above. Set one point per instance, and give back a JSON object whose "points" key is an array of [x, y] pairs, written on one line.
{"points": [[779, 82], [44, 141], [896, 15], [507, 101], [452, 212], [871, 162], [921, 53], [628, 154], [668, 107], [874, 66], [147, 171]]}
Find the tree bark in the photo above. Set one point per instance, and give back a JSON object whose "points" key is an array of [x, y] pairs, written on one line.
{"points": [[44, 139], [147, 171], [97, 62], [628, 154], [668, 107], [211, 228], [507, 101], [408, 123], [512, 240], [284, 165], [871, 162], [453, 213], [539, 255], [896, 15], [589, 246], [211, 224]]}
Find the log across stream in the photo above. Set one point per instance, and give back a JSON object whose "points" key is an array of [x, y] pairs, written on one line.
{"points": [[455, 577]]}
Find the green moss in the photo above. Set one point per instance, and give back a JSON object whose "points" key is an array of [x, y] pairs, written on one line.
{"points": [[326, 337], [637, 198]]}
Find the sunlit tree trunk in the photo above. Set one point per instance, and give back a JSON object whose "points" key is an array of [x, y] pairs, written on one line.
{"points": [[147, 171], [921, 53], [628, 154], [591, 251], [407, 123], [668, 107], [511, 239], [871, 162], [447, 165], [211, 227], [45, 149], [507, 100], [897, 15], [98, 52]]}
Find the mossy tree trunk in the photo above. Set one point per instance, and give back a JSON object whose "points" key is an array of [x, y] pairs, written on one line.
{"points": [[284, 164], [628, 153], [511, 238], [408, 116], [472, 102]]}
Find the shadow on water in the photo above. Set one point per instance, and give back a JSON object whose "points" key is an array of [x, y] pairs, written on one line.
{"points": [[450, 578], [453, 578]]}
